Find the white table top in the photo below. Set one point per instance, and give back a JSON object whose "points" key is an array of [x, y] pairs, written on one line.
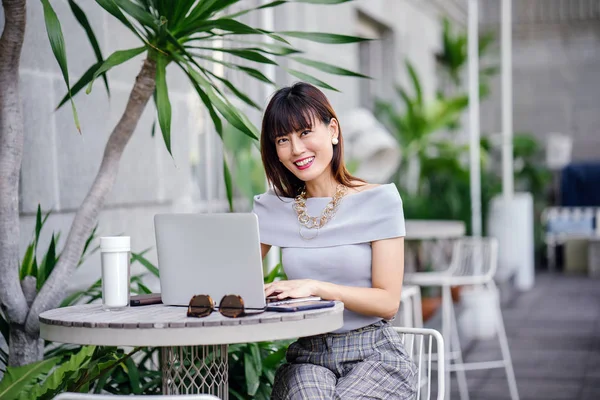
{"points": [[434, 229], [160, 325]]}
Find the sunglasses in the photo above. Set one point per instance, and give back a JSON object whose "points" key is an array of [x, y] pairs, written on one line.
{"points": [[230, 306]]}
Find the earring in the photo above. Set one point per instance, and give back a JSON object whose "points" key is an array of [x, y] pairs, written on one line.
{"points": [[334, 141]]}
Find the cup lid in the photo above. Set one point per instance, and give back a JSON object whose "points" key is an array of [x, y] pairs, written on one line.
{"points": [[115, 243]]}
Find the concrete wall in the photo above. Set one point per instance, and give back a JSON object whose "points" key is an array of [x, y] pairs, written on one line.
{"points": [[556, 88], [59, 165]]}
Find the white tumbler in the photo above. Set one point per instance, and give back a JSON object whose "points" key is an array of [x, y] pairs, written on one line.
{"points": [[115, 254]]}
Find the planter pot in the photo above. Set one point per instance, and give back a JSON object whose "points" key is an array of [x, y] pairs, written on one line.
{"points": [[429, 306], [455, 290]]}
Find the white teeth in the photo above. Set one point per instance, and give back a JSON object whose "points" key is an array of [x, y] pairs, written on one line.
{"points": [[304, 162]]}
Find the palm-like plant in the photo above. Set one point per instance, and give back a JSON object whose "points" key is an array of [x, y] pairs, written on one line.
{"points": [[454, 55], [185, 32], [415, 126], [188, 33]]}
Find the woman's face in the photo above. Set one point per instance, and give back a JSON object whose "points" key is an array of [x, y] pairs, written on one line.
{"points": [[308, 153]]}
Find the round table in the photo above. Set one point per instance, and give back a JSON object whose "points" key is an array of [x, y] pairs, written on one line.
{"points": [[191, 348]]}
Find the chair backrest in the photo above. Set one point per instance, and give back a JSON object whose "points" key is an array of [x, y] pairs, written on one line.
{"points": [[426, 348], [475, 257], [410, 313], [89, 396]]}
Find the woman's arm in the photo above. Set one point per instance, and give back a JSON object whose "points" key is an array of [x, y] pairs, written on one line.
{"points": [[381, 300]]}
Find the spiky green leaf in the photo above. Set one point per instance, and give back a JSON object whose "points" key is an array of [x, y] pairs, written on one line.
{"points": [[252, 373], [38, 222], [27, 265], [247, 53], [48, 263], [327, 38], [116, 58], [310, 79], [163, 104], [57, 43], [85, 79], [111, 7], [329, 68], [228, 184], [142, 260], [85, 24], [138, 13], [225, 109]]}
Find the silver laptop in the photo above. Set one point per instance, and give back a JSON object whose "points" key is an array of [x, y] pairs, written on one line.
{"points": [[214, 254]]}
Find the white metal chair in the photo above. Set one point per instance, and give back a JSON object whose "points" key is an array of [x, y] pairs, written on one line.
{"points": [[87, 396], [410, 313], [422, 345], [474, 262]]}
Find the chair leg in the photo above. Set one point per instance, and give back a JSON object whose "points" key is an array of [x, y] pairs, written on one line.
{"points": [[447, 332], [455, 347], [510, 373]]}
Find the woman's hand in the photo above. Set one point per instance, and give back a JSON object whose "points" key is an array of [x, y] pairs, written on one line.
{"points": [[294, 288]]}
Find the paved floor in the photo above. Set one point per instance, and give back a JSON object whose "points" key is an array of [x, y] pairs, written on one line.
{"points": [[554, 337]]}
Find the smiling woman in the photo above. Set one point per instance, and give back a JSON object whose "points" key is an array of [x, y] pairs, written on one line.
{"points": [[342, 239], [308, 140]]}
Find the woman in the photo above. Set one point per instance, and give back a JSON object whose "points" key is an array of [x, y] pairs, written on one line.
{"points": [[341, 239]]}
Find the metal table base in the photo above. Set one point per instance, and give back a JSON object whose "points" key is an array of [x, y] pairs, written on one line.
{"points": [[195, 369]]}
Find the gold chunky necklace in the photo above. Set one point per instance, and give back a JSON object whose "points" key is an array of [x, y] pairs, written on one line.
{"points": [[317, 222]]}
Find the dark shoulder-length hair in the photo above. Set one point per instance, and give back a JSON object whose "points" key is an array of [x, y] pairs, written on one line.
{"points": [[292, 109]]}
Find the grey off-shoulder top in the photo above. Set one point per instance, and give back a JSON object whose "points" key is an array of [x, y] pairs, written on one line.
{"points": [[341, 252]]}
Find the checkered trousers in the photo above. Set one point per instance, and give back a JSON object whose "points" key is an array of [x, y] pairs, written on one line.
{"points": [[366, 363]]}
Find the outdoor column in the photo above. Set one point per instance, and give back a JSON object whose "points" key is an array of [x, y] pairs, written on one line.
{"points": [[475, 165], [507, 101], [515, 238]]}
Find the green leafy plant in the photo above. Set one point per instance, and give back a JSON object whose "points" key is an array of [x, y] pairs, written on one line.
{"points": [[189, 34], [433, 177], [19, 380], [38, 272], [135, 373], [454, 56], [81, 371], [124, 376], [417, 125], [252, 368]]}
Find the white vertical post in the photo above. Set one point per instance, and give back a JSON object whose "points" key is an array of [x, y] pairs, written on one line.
{"points": [[507, 101], [475, 166], [268, 23]]}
